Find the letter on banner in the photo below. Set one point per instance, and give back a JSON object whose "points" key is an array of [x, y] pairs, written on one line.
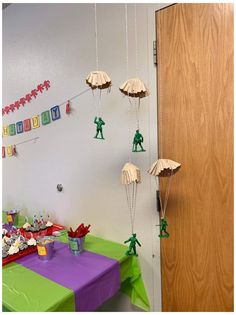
{"points": [[5, 131], [27, 125], [12, 129], [45, 117], [9, 150], [55, 112], [35, 121], [19, 127], [3, 152]]}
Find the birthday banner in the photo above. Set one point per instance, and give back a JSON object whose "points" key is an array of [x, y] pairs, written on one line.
{"points": [[27, 98], [32, 123], [26, 125]]}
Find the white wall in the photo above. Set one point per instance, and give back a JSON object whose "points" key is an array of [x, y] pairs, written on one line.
{"points": [[56, 42]]}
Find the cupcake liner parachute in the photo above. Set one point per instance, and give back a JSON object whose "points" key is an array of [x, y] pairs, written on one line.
{"points": [[164, 168], [134, 88], [130, 178], [130, 174], [98, 80]]}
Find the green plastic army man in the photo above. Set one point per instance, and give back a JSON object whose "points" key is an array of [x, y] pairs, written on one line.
{"points": [[138, 139], [132, 246], [163, 227], [99, 122]]}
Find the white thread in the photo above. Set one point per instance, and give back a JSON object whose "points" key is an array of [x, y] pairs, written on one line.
{"points": [[127, 41], [73, 97], [33, 139], [96, 33], [136, 38]]}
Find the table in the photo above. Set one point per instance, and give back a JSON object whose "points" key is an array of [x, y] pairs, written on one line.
{"points": [[71, 283]]}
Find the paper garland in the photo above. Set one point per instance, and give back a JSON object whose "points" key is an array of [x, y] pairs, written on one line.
{"points": [[10, 150], [27, 98], [32, 123]]}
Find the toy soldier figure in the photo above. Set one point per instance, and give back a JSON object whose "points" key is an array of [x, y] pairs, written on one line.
{"points": [[132, 246], [163, 226], [99, 122], [138, 139]]}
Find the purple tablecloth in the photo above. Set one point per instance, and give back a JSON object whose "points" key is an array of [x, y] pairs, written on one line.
{"points": [[93, 278]]}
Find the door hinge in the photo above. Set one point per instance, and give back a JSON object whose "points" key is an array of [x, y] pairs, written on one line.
{"points": [[155, 52]]}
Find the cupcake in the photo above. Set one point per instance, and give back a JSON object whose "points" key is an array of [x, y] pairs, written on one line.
{"points": [[4, 254], [26, 226], [13, 250], [49, 224], [31, 242]]}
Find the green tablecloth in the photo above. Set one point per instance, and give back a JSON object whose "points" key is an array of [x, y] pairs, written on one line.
{"points": [[54, 297]]}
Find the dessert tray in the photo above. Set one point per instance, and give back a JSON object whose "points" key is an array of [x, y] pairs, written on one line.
{"points": [[24, 243]]}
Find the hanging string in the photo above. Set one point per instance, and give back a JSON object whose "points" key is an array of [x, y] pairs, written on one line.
{"points": [[97, 100], [75, 96], [137, 107], [100, 103], [127, 76], [127, 41], [136, 38], [131, 201], [33, 139], [96, 33], [163, 209]]}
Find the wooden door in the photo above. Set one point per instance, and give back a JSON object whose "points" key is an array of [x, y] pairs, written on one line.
{"points": [[195, 115]]}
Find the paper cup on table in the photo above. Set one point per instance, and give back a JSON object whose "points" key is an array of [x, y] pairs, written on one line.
{"points": [[12, 217], [45, 247], [76, 245]]}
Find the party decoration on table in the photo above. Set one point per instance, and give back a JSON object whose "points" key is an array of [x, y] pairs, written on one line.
{"points": [[132, 246], [134, 88], [45, 247], [39, 228], [12, 216], [81, 231], [98, 81], [14, 243], [76, 239], [27, 98], [164, 168], [99, 122], [130, 178]]}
